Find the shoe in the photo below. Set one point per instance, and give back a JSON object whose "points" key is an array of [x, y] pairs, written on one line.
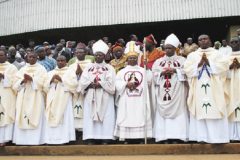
{"points": [[90, 142], [105, 142]]}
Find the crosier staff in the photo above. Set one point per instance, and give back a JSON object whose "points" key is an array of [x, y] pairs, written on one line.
{"points": [[145, 86]]}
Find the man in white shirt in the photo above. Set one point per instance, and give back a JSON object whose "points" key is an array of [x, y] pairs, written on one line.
{"points": [[225, 50]]}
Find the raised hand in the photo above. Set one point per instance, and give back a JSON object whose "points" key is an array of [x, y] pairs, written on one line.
{"points": [[235, 64], [131, 86]]}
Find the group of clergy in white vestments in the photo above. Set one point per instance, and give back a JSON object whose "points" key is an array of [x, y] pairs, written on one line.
{"points": [[193, 99]]}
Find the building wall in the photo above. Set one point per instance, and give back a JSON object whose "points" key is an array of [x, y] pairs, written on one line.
{"points": [[233, 31], [19, 16]]}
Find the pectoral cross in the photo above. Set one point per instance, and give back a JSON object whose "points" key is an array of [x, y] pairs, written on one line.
{"points": [[206, 106], [168, 84]]}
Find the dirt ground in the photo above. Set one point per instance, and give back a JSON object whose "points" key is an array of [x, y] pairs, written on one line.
{"points": [[150, 157]]}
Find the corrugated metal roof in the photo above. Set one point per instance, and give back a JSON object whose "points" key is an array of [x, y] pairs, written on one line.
{"points": [[18, 16]]}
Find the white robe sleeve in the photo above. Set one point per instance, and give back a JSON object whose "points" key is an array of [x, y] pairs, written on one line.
{"points": [[156, 72], [70, 81], [6, 82], [181, 75], [34, 84], [149, 77], [17, 86], [9, 77], [120, 86], [47, 84], [85, 80], [180, 72], [39, 79], [190, 66]]}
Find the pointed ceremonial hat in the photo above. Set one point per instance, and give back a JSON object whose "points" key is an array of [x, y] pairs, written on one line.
{"points": [[172, 40], [132, 49], [100, 46]]}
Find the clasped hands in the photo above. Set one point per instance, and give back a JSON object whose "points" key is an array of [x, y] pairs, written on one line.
{"points": [[235, 64], [168, 71], [95, 84], [203, 61], [131, 86], [57, 78], [26, 78]]}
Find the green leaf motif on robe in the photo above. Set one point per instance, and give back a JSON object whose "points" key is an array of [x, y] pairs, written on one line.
{"points": [[236, 110], [1, 114], [206, 106], [78, 107], [28, 121], [205, 87]]}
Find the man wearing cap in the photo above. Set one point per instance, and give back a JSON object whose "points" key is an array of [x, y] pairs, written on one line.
{"points": [[152, 52], [233, 90], [217, 45], [7, 98], [130, 92], [119, 60], [97, 82], [206, 70], [170, 92], [59, 111], [30, 103]]}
